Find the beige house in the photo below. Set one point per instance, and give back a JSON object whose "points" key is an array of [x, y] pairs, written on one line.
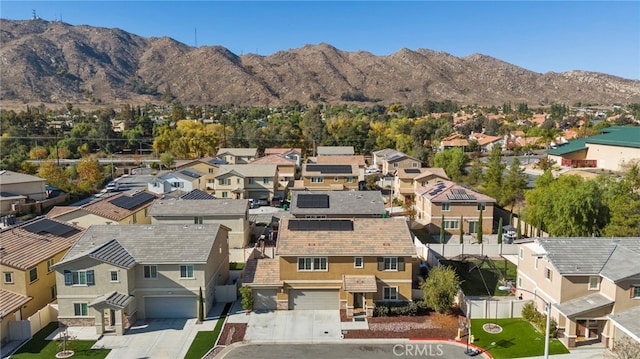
{"points": [[404, 184], [28, 252], [231, 213], [286, 170], [350, 264], [337, 204], [328, 177], [237, 156], [119, 209], [290, 153], [459, 206], [398, 161], [335, 151], [344, 160], [206, 169], [19, 187], [593, 285], [116, 275], [246, 181]]}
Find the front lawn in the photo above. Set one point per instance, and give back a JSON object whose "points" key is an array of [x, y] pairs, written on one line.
{"points": [[39, 347], [205, 340], [518, 339]]}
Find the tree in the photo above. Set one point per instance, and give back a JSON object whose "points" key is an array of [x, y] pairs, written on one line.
{"points": [[461, 230], [54, 175], [442, 230], [500, 231], [453, 162], [247, 298], [38, 153], [200, 306], [90, 174], [167, 160], [514, 184], [440, 289], [519, 229], [371, 182], [480, 226], [493, 176]]}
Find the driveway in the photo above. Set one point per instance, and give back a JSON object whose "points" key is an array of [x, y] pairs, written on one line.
{"points": [[308, 326]]}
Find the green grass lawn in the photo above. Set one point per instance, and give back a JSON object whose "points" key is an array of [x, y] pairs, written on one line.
{"points": [[236, 266], [483, 280], [518, 339], [39, 347], [205, 340]]}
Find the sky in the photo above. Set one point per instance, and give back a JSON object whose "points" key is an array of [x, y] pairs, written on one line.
{"points": [[541, 36]]}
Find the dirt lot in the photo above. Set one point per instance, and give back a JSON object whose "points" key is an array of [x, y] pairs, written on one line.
{"points": [[432, 325]]}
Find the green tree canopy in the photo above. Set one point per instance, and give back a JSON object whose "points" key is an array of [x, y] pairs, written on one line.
{"points": [[453, 162], [440, 289]]}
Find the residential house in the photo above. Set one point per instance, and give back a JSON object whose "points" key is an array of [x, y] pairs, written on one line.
{"points": [[183, 179], [455, 140], [285, 168], [344, 160], [335, 151], [116, 275], [238, 156], [593, 285], [396, 161], [404, 187], [28, 252], [430, 176], [119, 209], [290, 153], [460, 207], [19, 187], [328, 177], [352, 264], [337, 204], [612, 149], [231, 213], [207, 169], [486, 142], [246, 181], [379, 156]]}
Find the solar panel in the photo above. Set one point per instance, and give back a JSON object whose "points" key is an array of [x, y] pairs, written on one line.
{"points": [[340, 169], [52, 227], [134, 201], [190, 174], [320, 225], [411, 170], [313, 201]]}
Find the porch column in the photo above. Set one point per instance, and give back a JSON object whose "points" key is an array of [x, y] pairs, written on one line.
{"points": [[99, 321], [119, 322]]}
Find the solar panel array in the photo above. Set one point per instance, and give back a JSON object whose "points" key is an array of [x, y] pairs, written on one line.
{"points": [[340, 169], [52, 227], [190, 174], [320, 225], [460, 195], [313, 201], [439, 188], [411, 170], [132, 202]]}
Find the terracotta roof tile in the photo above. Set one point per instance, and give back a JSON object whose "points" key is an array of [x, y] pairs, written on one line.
{"points": [[105, 208], [10, 302], [262, 272], [447, 191], [273, 160], [341, 160], [360, 283]]}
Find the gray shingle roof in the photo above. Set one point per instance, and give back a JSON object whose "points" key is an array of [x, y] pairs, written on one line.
{"points": [[198, 195], [628, 320], [584, 304], [114, 253], [113, 299], [153, 244], [347, 203], [191, 207]]}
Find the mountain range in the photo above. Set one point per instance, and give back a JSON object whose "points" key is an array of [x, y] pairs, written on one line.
{"points": [[54, 62]]}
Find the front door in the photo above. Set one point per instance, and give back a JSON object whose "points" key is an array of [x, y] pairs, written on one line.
{"points": [[581, 328], [358, 300]]}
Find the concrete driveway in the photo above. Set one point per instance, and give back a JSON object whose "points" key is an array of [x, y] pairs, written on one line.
{"points": [[308, 326]]}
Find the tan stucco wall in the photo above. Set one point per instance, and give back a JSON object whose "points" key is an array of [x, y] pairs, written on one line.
{"points": [[404, 163], [611, 157], [427, 212], [33, 190], [329, 181]]}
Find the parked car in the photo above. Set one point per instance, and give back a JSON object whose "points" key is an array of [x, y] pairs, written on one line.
{"points": [[253, 203], [277, 201], [262, 201], [112, 186], [372, 170]]}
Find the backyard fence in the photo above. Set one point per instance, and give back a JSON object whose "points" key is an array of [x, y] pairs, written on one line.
{"points": [[491, 307]]}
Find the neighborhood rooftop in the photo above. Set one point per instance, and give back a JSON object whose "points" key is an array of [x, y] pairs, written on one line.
{"points": [[625, 136], [337, 202], [187, 207]]}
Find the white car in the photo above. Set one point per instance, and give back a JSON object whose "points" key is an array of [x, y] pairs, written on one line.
{"points": [[113, 186], [372, 170]]}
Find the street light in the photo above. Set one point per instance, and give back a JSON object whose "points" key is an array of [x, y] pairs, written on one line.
{"points": [[548, 305]]}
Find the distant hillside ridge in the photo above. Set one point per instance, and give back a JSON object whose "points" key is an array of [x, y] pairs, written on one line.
{"points": [[54, 62]]}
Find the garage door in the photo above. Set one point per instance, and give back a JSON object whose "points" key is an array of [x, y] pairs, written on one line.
{"points": [[170, 307], [314, 299], [264, 299]]}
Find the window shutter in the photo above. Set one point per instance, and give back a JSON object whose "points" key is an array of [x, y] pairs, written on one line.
{"points": [[400, 263], [68, 278], [90, 278], [380, 263]]}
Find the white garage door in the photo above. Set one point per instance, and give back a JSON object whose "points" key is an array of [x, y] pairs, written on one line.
{"points": [[264, 299], [317, 299], [171, 307]]}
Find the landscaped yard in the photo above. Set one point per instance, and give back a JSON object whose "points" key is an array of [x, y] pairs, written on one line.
{"points": [[39, 347], [482, 278], [205, 340], [517, 339]]}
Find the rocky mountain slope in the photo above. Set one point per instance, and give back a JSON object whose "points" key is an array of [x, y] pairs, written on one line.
{"points": [[54, 62]]}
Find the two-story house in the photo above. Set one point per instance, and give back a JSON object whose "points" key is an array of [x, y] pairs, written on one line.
{"points": [[27, 253], [290, 153], [337, 204], [184, 180], [119, 209], [486, 142], [357, 160], [328, 177], [237, 156], [19, 187], [593, 285], [396, 161], [206, 168], [404, 184], [115, 275], [231, 213], [246, 181], [347, 264], [286, 171], [459, 206]]}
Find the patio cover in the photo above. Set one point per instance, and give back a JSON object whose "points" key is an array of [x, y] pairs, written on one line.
{"points": [[360, 283], [581, 305], [113, 300]]}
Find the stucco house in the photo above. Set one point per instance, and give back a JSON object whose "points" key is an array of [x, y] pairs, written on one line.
{"points": [[290, 153], [398, 161], [231, 213], [19, 187], [116, 275], [285, 167], [246, 181], [404, 184], [593, 285], [207, 170], [328, 177], [183, 179], [27, 253], [337, 204], [350, 264], [237, 156], [335, 151]]}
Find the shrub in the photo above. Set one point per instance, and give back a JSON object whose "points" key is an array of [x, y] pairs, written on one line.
{"points": [[247, 298], [539, 320], [385, 309], [381, 310]]}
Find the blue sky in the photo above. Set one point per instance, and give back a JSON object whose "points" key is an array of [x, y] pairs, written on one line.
{"points": [[541, 36]]}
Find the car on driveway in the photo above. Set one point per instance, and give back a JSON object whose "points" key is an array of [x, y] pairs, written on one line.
{"points": [[262, 201], [113, 186]]}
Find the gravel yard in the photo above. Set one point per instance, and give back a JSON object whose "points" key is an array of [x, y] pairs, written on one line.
{"points": [[433, 325]]}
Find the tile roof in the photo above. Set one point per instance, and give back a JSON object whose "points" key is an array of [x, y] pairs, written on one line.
{"points": [[113, 299], [114, 253], [447, 191], [105, 208], [341, 160], [370, 236], [402, 173], [399, 156], [197, 194], [58, 211], [628, 321], [281, 151], [273, 160], [360, 283], [306, 173], [23, 249], [433, 171], [190, 207], [10, 177], [151, 244], [344, 203], [335, 150], [238, 151], [587, 303], [11, 302], [264, 272], [248, 170]]}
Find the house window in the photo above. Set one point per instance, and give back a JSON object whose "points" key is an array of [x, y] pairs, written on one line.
{"points": [[50, 262], [80, 309], [519, 282], [266, 180], [177, 184], [312, 263], [481, 206], [390, 293], [547, 273], [390, 263], [81, 277], [395, 165], [224, 181], [186, 271], [414, 164], [54, 292], [350, 179], [114, 276], [238, 181], [535, 263], [33, 274], [358, 262], [150, 272], [317, 179], [594, 283], [252, 181], [225, 195], [211, 181], [134, 218], [446, 206], [521, 253], [210, 170], [315, 216], [198, 220], [451, 224], [635, 292], [8, 277]]}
